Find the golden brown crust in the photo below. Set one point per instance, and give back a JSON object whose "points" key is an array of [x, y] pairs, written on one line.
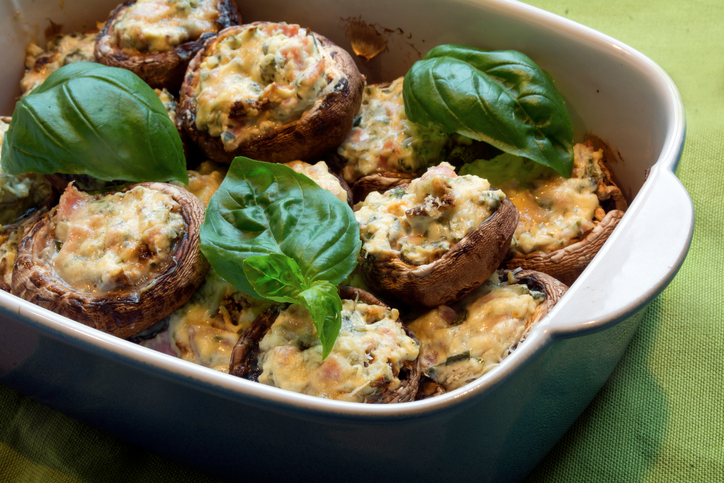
{"points": [[321, 128], [163, 69], [553, 289], [124, 312], [463, 268], [538, 281], [567, 263], [246, 352]]}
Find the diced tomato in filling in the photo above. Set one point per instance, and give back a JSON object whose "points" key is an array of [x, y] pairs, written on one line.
{"points": [[330, 370], [71, 200], [447, 314], [440, 170]]}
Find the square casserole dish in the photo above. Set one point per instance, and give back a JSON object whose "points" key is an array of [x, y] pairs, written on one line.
{"points": [[497, 428]]}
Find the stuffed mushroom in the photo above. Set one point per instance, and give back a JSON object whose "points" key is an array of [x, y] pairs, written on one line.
{"points": [[59, 51], [565, 222], [118, 262], [374, 359], [156, 39], [434, 241], [461, 342], [271, 92]]}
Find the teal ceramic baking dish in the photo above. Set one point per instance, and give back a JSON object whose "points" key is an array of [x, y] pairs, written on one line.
{"points": [[495, 429]]}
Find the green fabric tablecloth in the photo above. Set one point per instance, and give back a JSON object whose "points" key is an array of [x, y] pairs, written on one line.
{"points": [[659, 418]]}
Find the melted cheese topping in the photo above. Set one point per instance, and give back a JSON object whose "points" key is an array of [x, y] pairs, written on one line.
{"points": [[258, 79], [457, 347], [20, 194], [206, 328], [422, 222], [9, 240], [110, 242], [555, 212], [383, 139], [366, 358], [60, 51], [169, 102], [204, 181], [152, 26], [320, 174]]}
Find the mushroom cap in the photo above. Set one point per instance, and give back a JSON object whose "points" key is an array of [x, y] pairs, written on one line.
{"points": [[161, 69], [467, 265], [321, 128], [122, 312], [246, 352]]}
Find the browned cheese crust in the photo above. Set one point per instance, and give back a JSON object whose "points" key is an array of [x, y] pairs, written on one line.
{"points": [[163, 69], [538, 281], [123, 312], [567, 263], [321, 128], [467, 265], [246, 352]]}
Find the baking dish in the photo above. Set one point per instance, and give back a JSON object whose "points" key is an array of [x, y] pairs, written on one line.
{"points": [[495, 429]]}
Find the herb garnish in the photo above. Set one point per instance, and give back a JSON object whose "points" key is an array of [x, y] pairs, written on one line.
{"points": [[87, 118], [500, 97], [275, 234]]}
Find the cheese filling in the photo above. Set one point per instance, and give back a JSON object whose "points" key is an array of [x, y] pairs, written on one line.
{"points": [[110, 242], [205, 180], [169, 102], [9, 240], [366, 359], [20, 194], [554, 211], [152, 26], [258, 79], [60, 51], [458, 346], [557, 211], [383, 139], [206, 328], [422, 222], [320, 174]]}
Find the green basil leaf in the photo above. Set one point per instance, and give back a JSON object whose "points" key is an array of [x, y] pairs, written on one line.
{"points": [[501, 97], [506, 168], [276, 277], [274, 233], [87, 118], [325, 307]]}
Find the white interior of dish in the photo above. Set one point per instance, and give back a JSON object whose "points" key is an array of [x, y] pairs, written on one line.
{"points": [[611, 90]]}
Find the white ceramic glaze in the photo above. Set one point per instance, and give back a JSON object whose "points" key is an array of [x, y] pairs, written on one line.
{"points": [[522, 407]]}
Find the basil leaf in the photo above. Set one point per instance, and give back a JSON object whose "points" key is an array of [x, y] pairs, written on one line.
{"points": [[504, 169], [325, 307], [88, 118], [501, 97], [278, 277], [274, 233]]}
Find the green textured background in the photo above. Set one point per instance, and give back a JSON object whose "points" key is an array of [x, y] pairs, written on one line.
{"points": [[659, 418]]}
